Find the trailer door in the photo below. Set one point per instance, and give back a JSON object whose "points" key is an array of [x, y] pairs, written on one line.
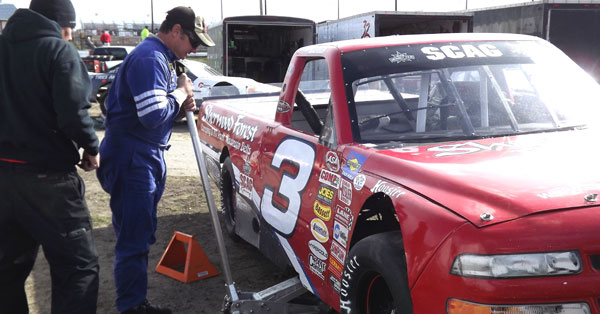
{"points": [[575, 33]]}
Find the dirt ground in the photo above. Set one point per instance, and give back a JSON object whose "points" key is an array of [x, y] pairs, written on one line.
{"points": [[182, 208]]}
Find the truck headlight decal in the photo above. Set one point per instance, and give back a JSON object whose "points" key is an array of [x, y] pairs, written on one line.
{"points": [[517, 265]]}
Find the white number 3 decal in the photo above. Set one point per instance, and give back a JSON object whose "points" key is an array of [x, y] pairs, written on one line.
{"points": [[301, 155]]}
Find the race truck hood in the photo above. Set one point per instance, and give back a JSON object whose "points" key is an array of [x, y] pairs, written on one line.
{"points": [[506, 177]]}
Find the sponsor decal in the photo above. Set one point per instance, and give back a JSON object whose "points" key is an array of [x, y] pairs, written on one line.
{"points": [[319, 230], [246, 185], [330, 178], [241, 146], [384, 187], [353, 165], [318, 250], [359, 181], [247, 168], [337, 252], [468, 148], [461, 51], [344, 216], [230, 123], [401, 57], [345, 195], [322, 211], [335, 283], [334, 272], [335, 267], [283, 107], [340, 233], [366, 28], [332, 161], [325, 194], [317, 266]]}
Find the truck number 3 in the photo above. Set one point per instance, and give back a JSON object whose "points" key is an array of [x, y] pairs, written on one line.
{"points": [[301, 155]]}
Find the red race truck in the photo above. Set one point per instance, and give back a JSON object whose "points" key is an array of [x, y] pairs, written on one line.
{"points": [[446, 173]]}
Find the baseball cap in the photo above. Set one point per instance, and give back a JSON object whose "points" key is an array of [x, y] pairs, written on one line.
{"points": [[61, 11], [193, 25]]}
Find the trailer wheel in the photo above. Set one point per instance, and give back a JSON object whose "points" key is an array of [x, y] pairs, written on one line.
{"points": [[375, 277], [228, 206]]}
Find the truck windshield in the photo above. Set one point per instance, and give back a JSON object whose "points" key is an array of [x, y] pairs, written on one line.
{"points": [[451, 91]]}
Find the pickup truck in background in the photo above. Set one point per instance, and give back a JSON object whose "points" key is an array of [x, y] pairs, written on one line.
{"points": [[444, 173], [101, 59]]}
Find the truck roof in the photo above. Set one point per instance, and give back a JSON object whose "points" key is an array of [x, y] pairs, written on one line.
{"points": [[363, 43]]}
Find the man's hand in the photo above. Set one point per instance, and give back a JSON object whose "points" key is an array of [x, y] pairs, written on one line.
{"points": [[184, 82], [89, 162], [188, 105]]}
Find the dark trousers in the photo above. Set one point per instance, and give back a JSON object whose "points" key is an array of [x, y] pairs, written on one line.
{"points": [[134, 175], [48, 209]]}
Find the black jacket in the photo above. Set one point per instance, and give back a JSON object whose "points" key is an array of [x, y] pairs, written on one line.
{"points": [[44, 87]]}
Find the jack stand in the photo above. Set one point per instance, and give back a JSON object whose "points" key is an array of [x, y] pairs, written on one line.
{"points": [[271, 300], [275, 299]]}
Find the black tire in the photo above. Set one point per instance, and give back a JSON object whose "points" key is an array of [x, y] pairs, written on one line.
{"points": [[375, 278], [228, 198], [102, 102]]}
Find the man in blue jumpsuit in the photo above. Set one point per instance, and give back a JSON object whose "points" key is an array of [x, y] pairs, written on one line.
{"points": [[143, 103]]}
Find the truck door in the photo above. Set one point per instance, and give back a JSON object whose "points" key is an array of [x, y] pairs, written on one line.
{"points": [[302, 176]]}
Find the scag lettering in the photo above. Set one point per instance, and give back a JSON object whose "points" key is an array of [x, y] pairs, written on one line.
{"points": [[462, 51]]}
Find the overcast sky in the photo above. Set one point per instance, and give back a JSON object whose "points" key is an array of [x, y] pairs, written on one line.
{"points": [[316, 10]]}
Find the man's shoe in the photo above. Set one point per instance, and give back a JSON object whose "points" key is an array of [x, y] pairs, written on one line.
{"points": [[147, 308]]}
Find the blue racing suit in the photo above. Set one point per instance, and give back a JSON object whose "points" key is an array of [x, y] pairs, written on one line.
{"points": [[141, 108]]}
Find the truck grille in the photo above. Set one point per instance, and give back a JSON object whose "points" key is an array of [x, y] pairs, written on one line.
{"points": [[595, 261]]}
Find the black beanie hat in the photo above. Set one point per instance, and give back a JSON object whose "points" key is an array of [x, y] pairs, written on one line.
{"points": [[61, 11]]}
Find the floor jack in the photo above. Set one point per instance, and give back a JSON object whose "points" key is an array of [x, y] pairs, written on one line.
{"points": [[275, 299]]}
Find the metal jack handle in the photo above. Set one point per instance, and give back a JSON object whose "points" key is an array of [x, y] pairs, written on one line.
{"points": [[211, 204]]}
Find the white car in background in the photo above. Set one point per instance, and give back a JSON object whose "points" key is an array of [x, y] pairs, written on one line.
{"points": [[207, 82]]}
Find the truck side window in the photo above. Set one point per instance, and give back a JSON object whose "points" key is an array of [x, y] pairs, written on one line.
{"points": [[309, 116]]}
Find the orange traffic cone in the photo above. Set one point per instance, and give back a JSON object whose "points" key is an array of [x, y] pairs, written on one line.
{"points": [[185, 260]]}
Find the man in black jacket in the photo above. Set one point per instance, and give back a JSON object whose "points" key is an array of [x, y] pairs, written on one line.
{"points": [[43, 124]]}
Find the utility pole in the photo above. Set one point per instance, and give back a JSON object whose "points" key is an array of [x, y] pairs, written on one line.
{"points": [[466, 4], [338, 9], [396, 5], [261, 11], [221, 10], [152, 16]]}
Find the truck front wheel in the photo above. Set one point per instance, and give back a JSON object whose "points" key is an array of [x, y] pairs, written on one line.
{"points": [[375, 278], [228, 198]]}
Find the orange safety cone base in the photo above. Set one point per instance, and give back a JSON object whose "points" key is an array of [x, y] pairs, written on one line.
{"points": [[185, 260]]}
